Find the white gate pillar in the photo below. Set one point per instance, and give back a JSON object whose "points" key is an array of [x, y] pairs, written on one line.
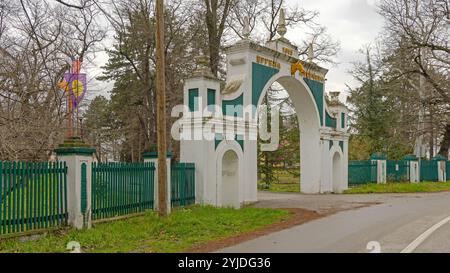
{"points": [[78, 158], [441, 165], [152, 157], [381, 161], [413, 168]]}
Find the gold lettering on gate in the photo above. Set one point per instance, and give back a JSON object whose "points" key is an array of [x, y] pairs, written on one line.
{"points": [[268, 62]]}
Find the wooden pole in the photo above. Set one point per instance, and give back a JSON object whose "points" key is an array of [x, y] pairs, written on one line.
{"points": [[161, 109]]}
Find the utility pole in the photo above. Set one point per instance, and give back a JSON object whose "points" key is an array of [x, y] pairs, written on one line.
{"points": [[161, 109], [420, 149]]}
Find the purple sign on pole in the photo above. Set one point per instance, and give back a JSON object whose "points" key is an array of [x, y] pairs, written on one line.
{"points": [[76, 86]]}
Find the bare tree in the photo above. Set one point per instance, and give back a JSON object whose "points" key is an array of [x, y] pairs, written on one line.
{"points": [[216, 15], [37, 41], [423, 29], [420, 30]]}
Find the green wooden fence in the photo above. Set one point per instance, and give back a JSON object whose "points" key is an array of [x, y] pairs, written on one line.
{"points": [[121, 188], [397, 171], [428, 170], [32, 196], [362, 172], [447, 169], [182, 184]]}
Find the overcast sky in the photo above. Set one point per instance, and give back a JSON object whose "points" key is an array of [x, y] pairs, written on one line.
{"points": [[354, 23]]}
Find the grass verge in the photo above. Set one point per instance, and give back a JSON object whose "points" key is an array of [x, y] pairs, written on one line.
{"points": [[183, 229], [282, 187], [422, 187], [286, 182]]}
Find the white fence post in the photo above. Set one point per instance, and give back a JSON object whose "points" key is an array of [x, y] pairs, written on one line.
{"points": [[414, 168], [381, 161], [78, 158], [152, 157], [441, 165]]}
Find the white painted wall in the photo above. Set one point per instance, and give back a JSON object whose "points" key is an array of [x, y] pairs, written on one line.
{"points": [[229, 180], [441, 171], [337, 172], [73, 163], [381, 171], [414, 172]]}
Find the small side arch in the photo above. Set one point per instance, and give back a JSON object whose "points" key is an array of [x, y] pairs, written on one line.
{"points": [[337, 169], [229, 174]]}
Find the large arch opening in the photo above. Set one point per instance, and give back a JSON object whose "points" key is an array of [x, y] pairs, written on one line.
{"points": [[307, 117], [230, 180]]}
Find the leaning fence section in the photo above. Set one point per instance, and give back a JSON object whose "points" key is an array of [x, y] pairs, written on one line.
{"points": [[32, 196], [120, 188], [182, 184], [362, 172]]}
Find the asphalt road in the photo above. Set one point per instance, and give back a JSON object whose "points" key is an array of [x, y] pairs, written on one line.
{"points": [[394, 225]]}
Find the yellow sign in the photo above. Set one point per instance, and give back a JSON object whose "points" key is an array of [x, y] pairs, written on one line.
{"points": [[268, 62], [288, 51], [77, 88], [307, 74]]}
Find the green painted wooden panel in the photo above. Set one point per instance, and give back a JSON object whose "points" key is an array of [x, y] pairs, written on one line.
{"points": [[397, 171], [341, 144], [362, 172], [121, 189], [428, 170], [343, 121], [83, 188], [193, 100], [317, 89], [233, 108], [330, 122], [211, 97], [182, 184], [260, 77], [32, 196]]}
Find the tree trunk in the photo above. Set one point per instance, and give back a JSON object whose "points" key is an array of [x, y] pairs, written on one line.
{"points": [[445, 144]]}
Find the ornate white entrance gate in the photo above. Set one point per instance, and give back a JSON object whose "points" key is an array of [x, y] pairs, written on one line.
{"points": [[226, 163]]}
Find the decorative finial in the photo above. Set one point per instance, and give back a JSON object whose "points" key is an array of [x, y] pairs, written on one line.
{"points": [[282, 24], [201, 60], [203, 68], [246, 30], [310, 52]]}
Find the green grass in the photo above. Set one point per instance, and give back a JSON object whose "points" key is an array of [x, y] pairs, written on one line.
{"points": [[281, 187], [287, 182], [400, 188], [183, 229]]}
